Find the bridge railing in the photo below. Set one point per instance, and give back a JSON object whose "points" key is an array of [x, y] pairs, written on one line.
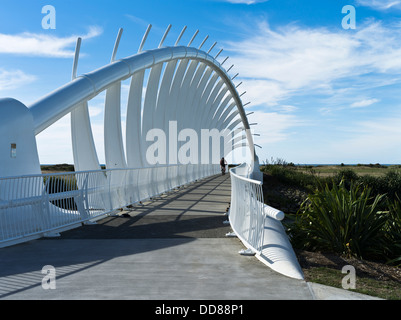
{"points": [[247, 208], [42, 205], [259, 226]]}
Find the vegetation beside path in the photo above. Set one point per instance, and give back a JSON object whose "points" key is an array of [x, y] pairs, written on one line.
{"points": [[345, 215]]}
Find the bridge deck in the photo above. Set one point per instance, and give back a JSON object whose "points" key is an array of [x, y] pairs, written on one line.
{"points": [[173, 247]]}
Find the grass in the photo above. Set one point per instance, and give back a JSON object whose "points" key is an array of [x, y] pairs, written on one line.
{"points": [[362, 170], [389, 289]]}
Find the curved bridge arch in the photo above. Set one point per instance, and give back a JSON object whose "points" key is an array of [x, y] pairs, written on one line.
{"points": [[184, 84]]}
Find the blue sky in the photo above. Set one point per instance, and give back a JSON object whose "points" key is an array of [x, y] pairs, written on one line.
{"points": [[320, 93]]}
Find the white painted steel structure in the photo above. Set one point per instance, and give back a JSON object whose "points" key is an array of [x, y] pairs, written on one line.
{"points": [[176, 92], [258, 225]]}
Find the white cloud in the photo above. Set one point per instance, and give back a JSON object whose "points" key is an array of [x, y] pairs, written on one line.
{"points": [[263, 91], [377, 140], [380, 4], [314, 69], [137, 20], [273, 127], [278, 64], [293, 57], [13, 79], [54, 143], [364, 103], [95, 111], [288, 108], [35, 44]]}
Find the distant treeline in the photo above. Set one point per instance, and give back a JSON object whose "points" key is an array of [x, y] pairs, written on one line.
{"points": [[58, 167], [64, 167]]}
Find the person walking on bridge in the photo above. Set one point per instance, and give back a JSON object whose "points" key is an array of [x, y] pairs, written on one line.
{"points": [[223, 164]]}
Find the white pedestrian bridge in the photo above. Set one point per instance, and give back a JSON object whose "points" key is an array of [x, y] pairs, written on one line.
{"points": [[184, 114]]}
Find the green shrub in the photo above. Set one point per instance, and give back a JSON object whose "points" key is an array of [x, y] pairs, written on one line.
{"points": [[291, 176], [358, 215], [341, 220], [393, 231], [391, 183], [59, 167], [371, 182], [348, 176], [60, 184]]}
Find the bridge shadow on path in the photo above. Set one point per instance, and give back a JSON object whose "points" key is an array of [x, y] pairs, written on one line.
{"points": [[194, 211]]}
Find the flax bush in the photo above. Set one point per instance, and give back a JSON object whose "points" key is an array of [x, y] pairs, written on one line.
{"points": [[393, 231], [342, 219]]}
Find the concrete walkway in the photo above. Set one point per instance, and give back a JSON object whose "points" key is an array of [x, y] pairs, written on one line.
{"points": [[171, 248]]}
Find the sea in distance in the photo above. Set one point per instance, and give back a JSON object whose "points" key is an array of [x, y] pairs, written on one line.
{"points": [[345, 164]]}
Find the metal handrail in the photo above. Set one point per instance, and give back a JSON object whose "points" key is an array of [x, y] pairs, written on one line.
{"points": [[85, 171], [245, 178], [246, 213], [32, 206]]}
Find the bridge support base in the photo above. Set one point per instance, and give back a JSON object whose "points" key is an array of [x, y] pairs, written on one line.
{"points": [[246, 252], [89, 223], [231, 235], [52, 235]]}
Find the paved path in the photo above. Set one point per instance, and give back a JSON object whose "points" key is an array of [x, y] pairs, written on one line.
{"points": [[171, 248]]}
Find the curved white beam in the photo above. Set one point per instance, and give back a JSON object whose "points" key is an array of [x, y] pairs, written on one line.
{"points": [[149, 109], [221, 109], [83, 145], [175, 92], [195, 91], [203, 85], [227, 111], [204, 98], [185, 91], [133, 120], [86, 86], [113, 140]]}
